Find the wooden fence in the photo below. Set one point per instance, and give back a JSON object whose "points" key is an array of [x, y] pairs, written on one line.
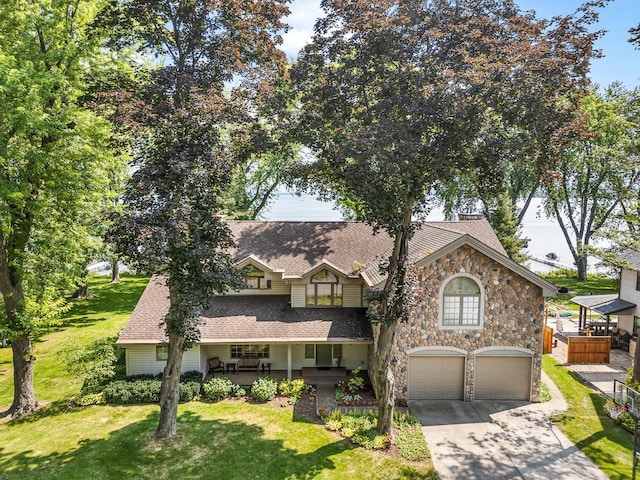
{"points": [[588, 349], [547, 339]]}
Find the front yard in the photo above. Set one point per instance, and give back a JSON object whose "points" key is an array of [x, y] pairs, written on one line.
{"points": [[230, 439]]}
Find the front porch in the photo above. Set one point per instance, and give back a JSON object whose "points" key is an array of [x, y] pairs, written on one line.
{"points": [[311, 375]]}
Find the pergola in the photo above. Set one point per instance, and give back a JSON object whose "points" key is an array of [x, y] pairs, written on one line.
{"points": [[605, 305]]}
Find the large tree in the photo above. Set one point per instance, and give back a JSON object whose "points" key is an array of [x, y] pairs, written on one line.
{"points": [[219, 57], [398, 98], [598, 175], [53, 155]]}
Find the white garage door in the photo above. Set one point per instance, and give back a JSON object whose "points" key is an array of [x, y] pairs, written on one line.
{"points": [[503, 378], [436, 378]]}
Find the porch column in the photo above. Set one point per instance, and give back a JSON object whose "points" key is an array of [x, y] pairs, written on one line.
{"points": [[289, 361]]}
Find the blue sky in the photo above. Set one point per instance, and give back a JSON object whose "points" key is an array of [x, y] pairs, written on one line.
{"points": [[621, 61]]}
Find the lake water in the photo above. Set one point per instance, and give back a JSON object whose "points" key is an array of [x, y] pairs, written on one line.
{"points": [[544, 234]]}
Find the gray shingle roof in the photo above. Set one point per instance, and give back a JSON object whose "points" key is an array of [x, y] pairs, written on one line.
{"points": [[433, 236], [633, 257], [242, 318], [603, 304], [145, 324], [271, 318], [295, 248]]}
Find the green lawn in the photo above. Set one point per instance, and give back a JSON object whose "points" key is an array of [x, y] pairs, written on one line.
{"points": [[103, 315], [594, 285], [587, 424], [229, 440]]}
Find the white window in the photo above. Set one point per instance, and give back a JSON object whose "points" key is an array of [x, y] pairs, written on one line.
{"points": [[461, 303]]}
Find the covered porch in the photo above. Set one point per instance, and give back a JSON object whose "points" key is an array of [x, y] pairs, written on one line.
{"points": [[604, 306], [326, 362]]}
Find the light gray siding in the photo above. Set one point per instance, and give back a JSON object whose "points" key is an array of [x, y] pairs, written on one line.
{"points": [[352, 295], [629, 293], [298, 296], [142, 359], [354, 355], [278, 287]]}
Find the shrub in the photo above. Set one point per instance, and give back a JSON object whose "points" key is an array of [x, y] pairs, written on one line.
{"points": [[191, 376], [142, 391], [90, 399], [190, 391], [292, 389], [333, 425], [411, 443], [146, 391], [630, 382], [97, 363], [409, 437], [359, 427], [238, 391], [144, 376], [217, 388], [625, 420], [264, 389], [353, 385]]}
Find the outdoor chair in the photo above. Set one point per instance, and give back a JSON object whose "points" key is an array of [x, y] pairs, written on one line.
{"points": [[215, 365], [615, 337]]}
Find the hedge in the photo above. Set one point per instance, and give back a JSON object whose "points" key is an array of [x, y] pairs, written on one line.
{"points": [[146, 391]]}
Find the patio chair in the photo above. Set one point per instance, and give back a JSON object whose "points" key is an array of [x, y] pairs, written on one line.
{"points": [[215, 365]]}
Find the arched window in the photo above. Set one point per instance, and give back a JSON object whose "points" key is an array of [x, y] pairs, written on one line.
{"points": [[324, 290], [461, 303]]}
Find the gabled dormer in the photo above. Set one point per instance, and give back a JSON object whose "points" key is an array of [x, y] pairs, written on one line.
{"points": [[254, 278], [260, 278], [326, 286]]}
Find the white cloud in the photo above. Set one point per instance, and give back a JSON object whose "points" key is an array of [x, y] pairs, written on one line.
{"points": [[301, 20]]}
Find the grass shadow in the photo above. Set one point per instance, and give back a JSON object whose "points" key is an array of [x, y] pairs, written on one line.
{"points": [[202, 449], [46, 410]]}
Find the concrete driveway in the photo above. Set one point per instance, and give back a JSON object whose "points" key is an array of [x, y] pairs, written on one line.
{"points": [[499, 440]]}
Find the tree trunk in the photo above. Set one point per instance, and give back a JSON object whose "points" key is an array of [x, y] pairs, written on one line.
{"points": [[81, 292], [170, 389], [383, 379], [581, 265], [24, 398], [115, 271], [384, 332]]}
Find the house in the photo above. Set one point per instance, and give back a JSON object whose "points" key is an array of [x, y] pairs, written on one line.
{"points": [[475, 334]]}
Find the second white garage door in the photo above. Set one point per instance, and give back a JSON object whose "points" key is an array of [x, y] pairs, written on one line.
{"points": [[503, 378], [436, 377]]}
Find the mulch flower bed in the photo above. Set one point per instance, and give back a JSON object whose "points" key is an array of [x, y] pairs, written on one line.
{"points": [[368, 399], [306, 407]]}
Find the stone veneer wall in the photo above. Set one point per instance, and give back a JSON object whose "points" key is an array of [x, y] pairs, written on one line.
{"points": [[513, 316]]}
